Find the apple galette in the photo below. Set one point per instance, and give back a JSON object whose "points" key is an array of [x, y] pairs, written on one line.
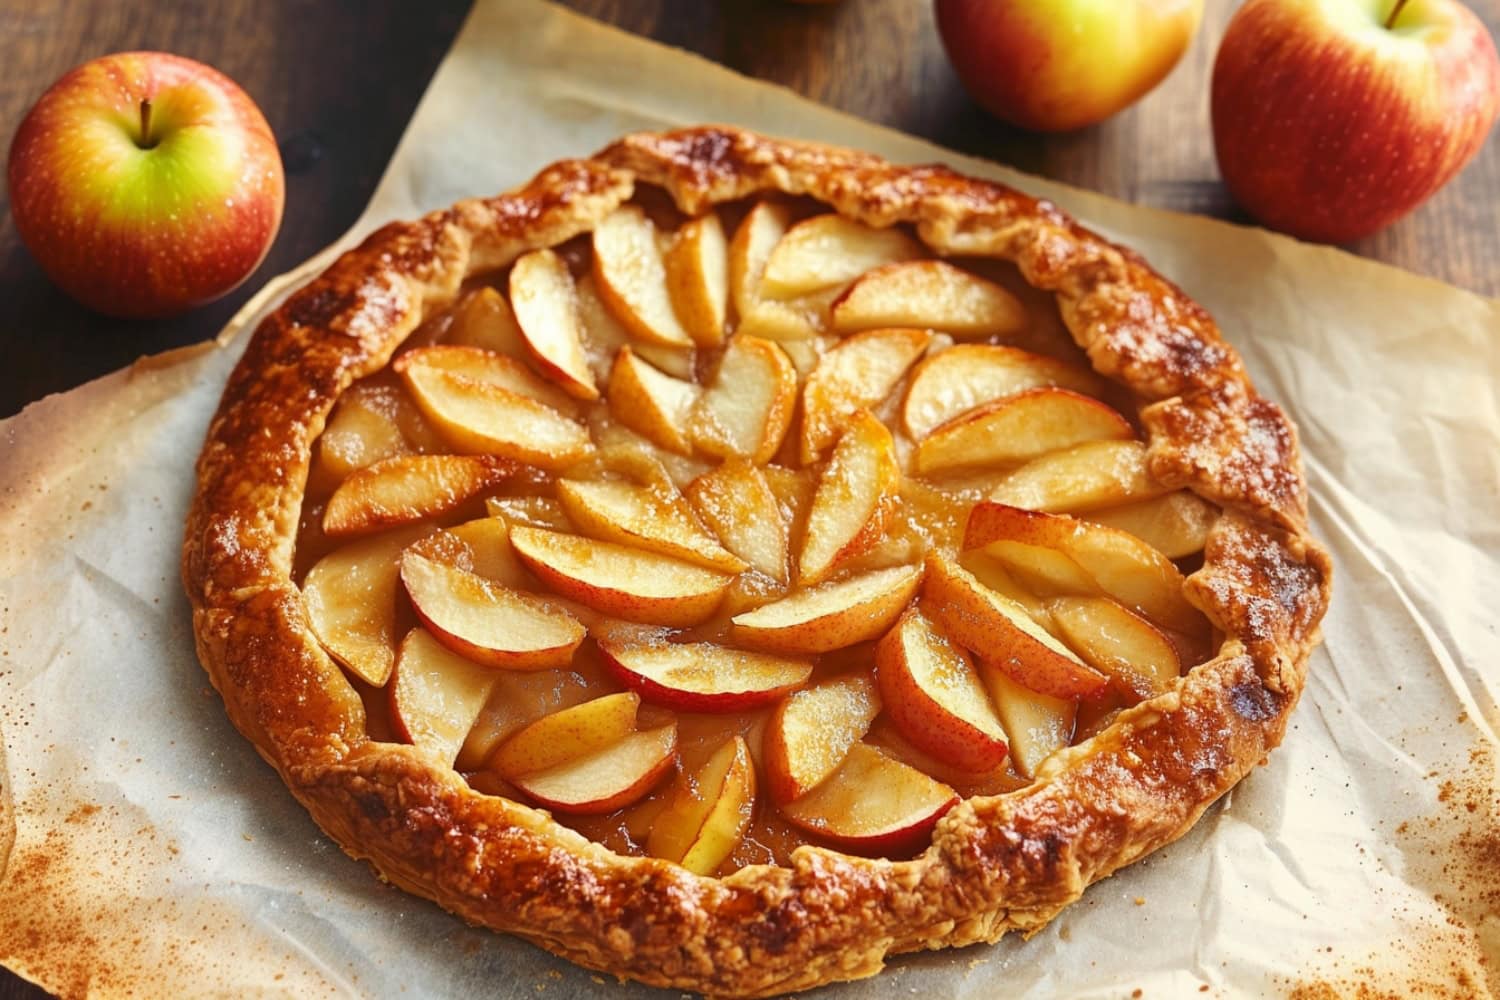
{"points": [[727, 562]]}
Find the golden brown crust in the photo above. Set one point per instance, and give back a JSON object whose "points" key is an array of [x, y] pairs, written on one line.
{"points": [[996, 864]]}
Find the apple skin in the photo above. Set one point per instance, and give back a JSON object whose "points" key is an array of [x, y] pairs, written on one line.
{"points": [[1055, 65], [1329, 127], [137, 232]]}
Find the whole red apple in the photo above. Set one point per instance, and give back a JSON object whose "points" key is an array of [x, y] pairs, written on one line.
{"points": [[1334, 118], [145, 184], [1062, 64]]}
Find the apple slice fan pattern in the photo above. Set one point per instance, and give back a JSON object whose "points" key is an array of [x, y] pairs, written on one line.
{"points": [[728, 562]]}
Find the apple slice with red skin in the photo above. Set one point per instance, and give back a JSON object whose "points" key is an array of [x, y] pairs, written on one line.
{"points": [[650, 402], [500, 370], [566, 735], [1036, 725], [1084, 477], [483, 418], [953, 382], [933, 694], [829, 250], [350, 596], [607, 779], [545, 302], [408, 488], [486, 622], [747, 406], [698, 278], [1176, 525], [703, 676], [1019, 428], [736, 502], [1000, 633], [930, 294], [1116, 563], [758, 233], [873, 804], [811, 732], [621, 582], [656, 518], [631, 277], [708, 811], [435, 695], [1139, 657], [857, 494], [832, 615], [858, 373]]}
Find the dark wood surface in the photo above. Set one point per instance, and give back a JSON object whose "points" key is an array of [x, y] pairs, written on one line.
{"points": [[338, 80]]}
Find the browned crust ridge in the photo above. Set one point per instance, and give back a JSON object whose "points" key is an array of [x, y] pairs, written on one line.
{"points": [[1008, 862]]}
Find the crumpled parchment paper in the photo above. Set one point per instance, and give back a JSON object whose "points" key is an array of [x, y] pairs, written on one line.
{"points": [[145, 847]]}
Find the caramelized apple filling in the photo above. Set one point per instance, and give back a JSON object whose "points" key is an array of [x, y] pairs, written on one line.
{"points": [[716, 546]]}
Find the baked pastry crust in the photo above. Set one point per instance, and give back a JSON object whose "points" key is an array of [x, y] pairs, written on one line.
{"points": [[1007, 862]]}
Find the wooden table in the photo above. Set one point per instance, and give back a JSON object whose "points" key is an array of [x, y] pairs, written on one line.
{"points": [[338, 82]]}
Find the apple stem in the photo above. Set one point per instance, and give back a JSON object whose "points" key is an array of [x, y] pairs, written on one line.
{"points": [[146, 142], [1390, 22]]}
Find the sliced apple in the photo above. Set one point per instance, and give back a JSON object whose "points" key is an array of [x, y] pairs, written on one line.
{"points": [[632, 277], [480, 418], [487, 366], [1037, 725], [485, 320], [545, 301], [1176, 525], [930, 294], [856, 496], [873, 804], [408, 488], [619, 581], [362, 430], [831, 615], [993, 574], [351, 602], [810, 733], [650, 402], [698, 278], [933, 694], [703, 676], [1114, 562], [1019, 428], [486, 622], [831, 250], [1142, 660], [748, 404], [736, 502], [957, 380], [1028, 551], [762, 228], [566, 735], [1081, 478], [488, 540], [656, 518], [436, 695], [607, 779], [603, 336], [539, 512], [795, 324], [857, 374], [708, 811], [999, 632]]}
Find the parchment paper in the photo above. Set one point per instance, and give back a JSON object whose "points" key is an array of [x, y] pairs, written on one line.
{"points": [[146, 848]]}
